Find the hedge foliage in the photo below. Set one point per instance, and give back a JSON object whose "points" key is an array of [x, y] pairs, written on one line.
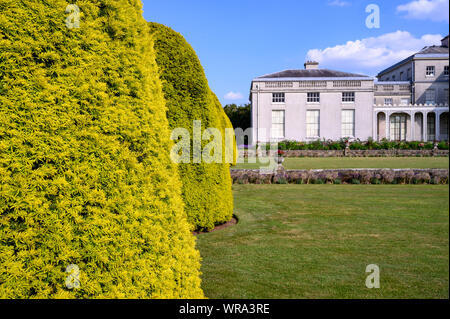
{"points": [[85, 170], [360, 145], [206, 187]]}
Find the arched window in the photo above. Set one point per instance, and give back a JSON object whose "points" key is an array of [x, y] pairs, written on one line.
{"points": [[398, 127]]}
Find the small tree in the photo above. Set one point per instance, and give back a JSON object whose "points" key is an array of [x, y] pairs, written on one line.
{"points": [[206, 187]]}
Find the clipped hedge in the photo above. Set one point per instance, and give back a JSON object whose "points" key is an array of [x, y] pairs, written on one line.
{"points": [[206, 187], [85, 170], [329, 145]]}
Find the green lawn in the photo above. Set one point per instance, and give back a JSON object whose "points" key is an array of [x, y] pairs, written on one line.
{"points": [[356, 162], [315, 241]]}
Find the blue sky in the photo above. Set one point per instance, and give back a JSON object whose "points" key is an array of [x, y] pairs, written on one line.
{"points": [[238, 40]]}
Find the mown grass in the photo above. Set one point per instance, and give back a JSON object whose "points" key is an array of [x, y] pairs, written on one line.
{"points": [[355, 162], [315, 241]]}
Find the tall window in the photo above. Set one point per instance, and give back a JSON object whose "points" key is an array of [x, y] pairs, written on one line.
{"points": [[388, 101], [393, 78], [408, 74], [444, 127], [431, 127], [278, 123], [348, 123], [401, 76], [398, 127], [446, 96], [278, 98], [430, 96], [446, 72], [312, 123], [313, 97], [430, 70], [348, 97]]}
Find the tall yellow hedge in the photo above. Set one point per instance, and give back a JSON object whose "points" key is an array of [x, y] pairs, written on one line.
{"points": [[85, 172], [206, 187]]}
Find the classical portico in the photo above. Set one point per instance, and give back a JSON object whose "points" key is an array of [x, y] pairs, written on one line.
{"points": [[411, 122]]}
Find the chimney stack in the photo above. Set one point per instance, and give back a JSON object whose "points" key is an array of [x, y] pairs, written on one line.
{"points": [[444, 42], [311, 65]]}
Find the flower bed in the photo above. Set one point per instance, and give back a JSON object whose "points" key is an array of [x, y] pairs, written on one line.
{"points": [[328, 145], [343, 176]]}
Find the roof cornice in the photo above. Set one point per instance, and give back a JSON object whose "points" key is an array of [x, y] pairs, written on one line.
{"points": [[314, 79]]}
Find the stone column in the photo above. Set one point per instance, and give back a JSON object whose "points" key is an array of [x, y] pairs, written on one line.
{"points": [[388, 125], [375, 127], [425, 126], [438, 126], [413, 125]]}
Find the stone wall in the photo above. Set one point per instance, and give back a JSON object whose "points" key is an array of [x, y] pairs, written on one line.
{"points": [[358, 153], [342, 176]]}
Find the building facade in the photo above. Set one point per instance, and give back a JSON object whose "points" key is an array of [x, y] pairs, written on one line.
{"points": [[409, 101]]}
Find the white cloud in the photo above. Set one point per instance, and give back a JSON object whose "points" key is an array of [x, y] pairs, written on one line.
{"points": [[434, 10], [372, 54], [233, 96], [338, 3]]}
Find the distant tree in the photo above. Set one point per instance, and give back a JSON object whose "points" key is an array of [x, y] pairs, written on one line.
{"points": [[239, 115]]}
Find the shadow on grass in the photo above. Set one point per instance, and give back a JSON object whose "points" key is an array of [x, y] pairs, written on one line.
{"points": [[234, 221]]}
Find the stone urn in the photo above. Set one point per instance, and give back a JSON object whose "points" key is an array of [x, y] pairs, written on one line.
{"points": [[279, 160], [436, 146], [279, 157], [347, 148]]}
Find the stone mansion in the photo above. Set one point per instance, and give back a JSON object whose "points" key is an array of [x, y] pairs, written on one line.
{"points": [[408, 101]]}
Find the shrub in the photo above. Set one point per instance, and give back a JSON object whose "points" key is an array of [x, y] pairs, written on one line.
{"points": [[387, 177], [366, 177], [281, 180], [206, 187], [294, 178], [329, 177], [357, 145], [402, 177], [435, 180], [443, 177], [370, 144], [423, 177], [375, 181], [443, 145], [85, 172], [318, 181], [409, 176]]}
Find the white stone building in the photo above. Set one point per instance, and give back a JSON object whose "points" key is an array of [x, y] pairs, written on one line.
{"points": [[311, 104]]}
